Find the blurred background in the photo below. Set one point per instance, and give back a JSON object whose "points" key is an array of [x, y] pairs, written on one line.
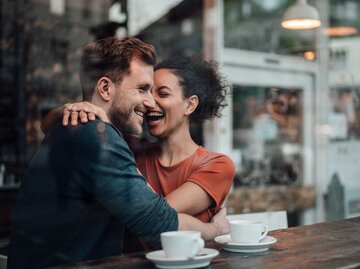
{"points": [[292, 126]]}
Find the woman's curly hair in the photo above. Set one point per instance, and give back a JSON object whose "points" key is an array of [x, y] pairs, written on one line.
{"points": [[201, 78]]}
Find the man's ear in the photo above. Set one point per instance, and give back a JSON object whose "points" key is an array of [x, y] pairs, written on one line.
{"points": [[192, 104], [104, 88]]}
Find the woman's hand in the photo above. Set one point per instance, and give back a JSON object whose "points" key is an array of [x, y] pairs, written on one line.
{"points": [[83, 111]]}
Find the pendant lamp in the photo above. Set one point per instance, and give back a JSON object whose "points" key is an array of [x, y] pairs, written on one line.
{"points": [[301, 16]]}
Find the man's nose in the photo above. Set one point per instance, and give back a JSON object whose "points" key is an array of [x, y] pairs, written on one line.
{"points": [[149, 101]]}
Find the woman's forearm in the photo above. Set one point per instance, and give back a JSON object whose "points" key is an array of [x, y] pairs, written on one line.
{"points": [[49, 120]]}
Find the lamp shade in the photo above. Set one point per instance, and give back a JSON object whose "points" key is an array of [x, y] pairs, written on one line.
{"points": [[301, 16]]}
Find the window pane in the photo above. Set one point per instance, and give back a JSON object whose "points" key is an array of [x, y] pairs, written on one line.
{"points": [[267, 125]]}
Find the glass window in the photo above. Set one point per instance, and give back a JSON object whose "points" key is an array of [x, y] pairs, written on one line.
{"points": [[255, 25], [267, 125], [344, 77]]}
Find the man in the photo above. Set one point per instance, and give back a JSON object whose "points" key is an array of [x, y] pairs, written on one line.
{"points": [[82, 187]]}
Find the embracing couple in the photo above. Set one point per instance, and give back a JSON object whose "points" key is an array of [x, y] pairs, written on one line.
{"points": [[83, 186]]}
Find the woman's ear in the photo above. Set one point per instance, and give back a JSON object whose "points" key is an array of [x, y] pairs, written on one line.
{"points": [[192, 104], [104, 88]]}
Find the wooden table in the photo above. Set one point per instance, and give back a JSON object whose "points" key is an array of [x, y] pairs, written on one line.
{"points": [[323, 245]]}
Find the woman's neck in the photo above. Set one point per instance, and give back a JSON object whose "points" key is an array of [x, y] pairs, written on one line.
{"points": [[176, 148]]}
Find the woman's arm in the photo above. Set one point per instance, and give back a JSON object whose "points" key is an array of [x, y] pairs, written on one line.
{"points": [[50, 118], [189, 198], [206, 188]]}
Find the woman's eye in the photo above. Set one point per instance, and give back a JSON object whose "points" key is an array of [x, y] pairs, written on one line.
{"points": [[163, 94]]}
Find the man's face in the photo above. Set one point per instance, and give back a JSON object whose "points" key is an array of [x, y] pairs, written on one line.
{"points": [[133, 98]]}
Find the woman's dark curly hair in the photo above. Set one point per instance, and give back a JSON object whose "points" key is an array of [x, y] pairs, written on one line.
{"points": [[201, 78]]}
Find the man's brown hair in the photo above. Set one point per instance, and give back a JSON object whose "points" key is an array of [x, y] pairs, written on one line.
{"points": [[111, 57]]}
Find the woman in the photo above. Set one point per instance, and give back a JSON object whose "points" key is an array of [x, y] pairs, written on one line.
{"points": [[192, 179]]}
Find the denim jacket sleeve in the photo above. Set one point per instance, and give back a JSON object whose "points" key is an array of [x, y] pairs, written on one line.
{"points": [[108, 172]]}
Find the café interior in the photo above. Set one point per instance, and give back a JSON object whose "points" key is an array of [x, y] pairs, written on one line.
{"points": [[292, 124]]}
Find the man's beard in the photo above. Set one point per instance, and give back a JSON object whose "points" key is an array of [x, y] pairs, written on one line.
{"points": [[121, 120]]}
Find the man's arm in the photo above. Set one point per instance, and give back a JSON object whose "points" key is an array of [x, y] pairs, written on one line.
{"points": [[218, 225], [107, 170]]}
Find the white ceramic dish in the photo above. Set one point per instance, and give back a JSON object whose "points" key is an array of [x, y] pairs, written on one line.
{"points": [[202, 259], [263, 245]]}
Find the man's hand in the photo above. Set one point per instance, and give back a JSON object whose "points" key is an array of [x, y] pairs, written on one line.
{"points": [[219, 225], [221, 222]]}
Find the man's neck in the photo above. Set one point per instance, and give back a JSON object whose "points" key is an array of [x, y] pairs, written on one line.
{"points": [[102, 110]]}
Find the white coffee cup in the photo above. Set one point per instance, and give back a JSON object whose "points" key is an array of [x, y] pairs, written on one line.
{"points": [[181, 244], [247, 231]]}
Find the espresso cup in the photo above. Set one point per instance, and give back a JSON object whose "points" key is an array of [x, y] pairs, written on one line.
{"points": [[247, 231], [181, 244]]}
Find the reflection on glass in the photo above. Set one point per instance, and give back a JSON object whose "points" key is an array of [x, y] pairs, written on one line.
{"points": [[345, 118], [254, 25], [344, 81], [267, 125]]}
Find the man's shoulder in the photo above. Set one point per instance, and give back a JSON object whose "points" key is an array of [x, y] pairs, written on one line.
{"points": [[91, 128], [99, 127], [91, 140], [91, 134]]}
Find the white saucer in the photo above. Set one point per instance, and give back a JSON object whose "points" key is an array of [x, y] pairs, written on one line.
{"points": [[200, 260], [263, 245]]}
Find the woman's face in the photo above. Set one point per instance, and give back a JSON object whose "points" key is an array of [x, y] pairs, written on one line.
{"points": [[170, 112]]}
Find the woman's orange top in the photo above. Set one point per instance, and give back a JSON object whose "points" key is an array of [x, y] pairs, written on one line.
{"points": [[213, 172]]}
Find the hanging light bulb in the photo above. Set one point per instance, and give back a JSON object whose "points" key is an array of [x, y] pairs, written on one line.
{"points": [[301, 16]]}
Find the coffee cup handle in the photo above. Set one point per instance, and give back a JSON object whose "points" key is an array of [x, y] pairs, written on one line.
{"points": [[264, 233], [198, 243]]}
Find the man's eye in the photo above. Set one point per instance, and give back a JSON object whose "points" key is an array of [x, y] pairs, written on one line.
{"points": [[163, 94]]}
